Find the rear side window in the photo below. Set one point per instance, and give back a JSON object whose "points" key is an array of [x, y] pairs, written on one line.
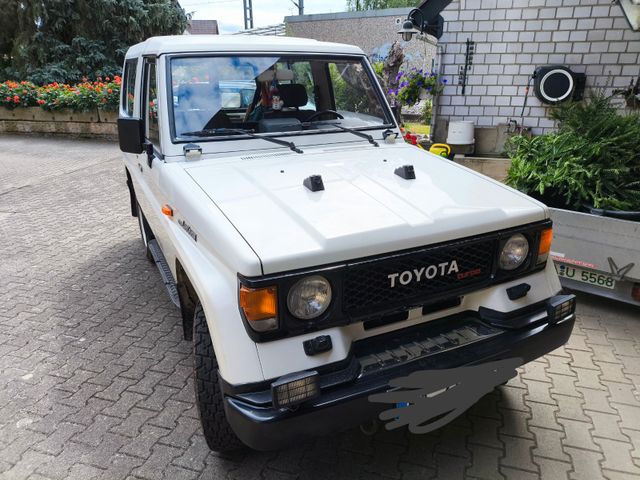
{"points": [[129, 87]]}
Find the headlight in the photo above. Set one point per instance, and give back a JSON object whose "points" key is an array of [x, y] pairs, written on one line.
{"points": [[514, 252], [309, 298]]}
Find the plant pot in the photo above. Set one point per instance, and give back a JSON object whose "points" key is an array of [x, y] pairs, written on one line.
{"points": [[619, 214]]}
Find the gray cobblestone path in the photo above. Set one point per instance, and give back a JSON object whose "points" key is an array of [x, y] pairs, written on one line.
{"points": [[95, 381]]}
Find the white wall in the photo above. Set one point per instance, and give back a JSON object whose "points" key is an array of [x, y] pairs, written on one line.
{"points": [[514, 36]]}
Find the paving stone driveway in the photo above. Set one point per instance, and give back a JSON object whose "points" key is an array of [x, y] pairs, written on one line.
{"points": [[95, 381]]}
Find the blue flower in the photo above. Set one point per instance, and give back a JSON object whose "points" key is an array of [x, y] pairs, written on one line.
{"points": [[444, 81]]}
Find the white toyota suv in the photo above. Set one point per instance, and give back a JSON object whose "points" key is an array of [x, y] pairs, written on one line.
{"points": [[313, 257]]}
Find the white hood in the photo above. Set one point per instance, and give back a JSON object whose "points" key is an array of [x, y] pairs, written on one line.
{"points": [[365, 209]]}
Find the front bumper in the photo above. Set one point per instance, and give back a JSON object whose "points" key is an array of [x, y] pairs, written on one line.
{"points": [[344, 403]]}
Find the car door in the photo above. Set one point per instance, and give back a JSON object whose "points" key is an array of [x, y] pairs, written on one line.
{"points": [[152, 164]]}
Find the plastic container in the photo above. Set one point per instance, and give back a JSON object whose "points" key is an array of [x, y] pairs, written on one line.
{"points": [[461, 133]]}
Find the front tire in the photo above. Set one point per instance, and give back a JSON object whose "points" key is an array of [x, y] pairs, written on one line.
{"points": [[217, 431]]}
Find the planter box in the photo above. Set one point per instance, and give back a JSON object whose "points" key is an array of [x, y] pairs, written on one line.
{"points": [[64, 122], [495, 168], [37, 114], [107, 116]]}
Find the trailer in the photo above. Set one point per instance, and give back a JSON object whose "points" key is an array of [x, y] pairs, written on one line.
{"points": [[597, 254]]}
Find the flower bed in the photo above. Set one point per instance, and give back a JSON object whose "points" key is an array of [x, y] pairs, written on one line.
{"points": [[85, 109], [83, 97]]}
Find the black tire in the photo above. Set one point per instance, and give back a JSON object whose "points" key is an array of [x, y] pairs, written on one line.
{"points": [[217, 431], [145, 233]]}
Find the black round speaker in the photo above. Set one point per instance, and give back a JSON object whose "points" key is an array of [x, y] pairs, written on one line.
{"points": [[554, 83]]}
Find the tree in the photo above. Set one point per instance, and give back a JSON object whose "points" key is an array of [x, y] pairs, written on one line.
{"points": [[358, 5], [64, 40]]}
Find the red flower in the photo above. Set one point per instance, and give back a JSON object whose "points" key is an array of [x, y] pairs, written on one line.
{"points": [[106, 79], [109, 90], [8, 99], [16, 99]]}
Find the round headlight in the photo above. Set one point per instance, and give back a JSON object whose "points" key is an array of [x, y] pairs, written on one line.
{"points": [[514, 252], [309, 298]]}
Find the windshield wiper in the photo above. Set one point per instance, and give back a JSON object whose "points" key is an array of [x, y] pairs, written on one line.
{"points": [[357, 133], [214, 131]]}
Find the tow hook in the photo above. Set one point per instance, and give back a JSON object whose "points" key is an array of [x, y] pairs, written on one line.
{"points": [[371, 427]]}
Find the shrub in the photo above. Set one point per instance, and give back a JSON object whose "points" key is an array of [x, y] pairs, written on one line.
{"points": [[84, 96], [426, 112], [592, 160]]}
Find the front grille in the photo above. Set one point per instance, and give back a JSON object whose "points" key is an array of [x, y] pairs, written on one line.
{"points": [[368, 286]]}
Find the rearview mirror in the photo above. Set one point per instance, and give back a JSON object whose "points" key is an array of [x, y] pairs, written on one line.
{"points": [[130, 135]]}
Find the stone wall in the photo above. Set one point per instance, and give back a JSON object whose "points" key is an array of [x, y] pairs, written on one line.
{"points": [[95, 123], [373, 31], [513, 37]]}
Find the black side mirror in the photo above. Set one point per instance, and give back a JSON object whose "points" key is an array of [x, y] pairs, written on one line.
{"points": [[130, 135]]}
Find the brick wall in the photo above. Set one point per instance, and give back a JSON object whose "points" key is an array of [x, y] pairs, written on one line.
{"points": [[514, 36]]}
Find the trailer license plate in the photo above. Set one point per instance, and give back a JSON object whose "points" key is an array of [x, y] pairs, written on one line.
{"points": [[585, 276]]}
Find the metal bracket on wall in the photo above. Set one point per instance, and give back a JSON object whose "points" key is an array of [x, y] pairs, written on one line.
{"points": [[468, 62]]}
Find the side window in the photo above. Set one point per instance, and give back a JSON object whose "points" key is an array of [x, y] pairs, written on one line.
{"points": [[151, 103], [302, 75], [129, 87]]}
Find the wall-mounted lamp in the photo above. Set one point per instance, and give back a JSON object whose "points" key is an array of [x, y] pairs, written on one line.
{"points": [[410, 27], [425, 19]]}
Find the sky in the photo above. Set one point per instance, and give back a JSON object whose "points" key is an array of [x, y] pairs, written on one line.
{"points": [[230, 18]]}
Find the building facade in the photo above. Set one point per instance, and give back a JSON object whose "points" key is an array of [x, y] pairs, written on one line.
{"points": [[513, 37]]}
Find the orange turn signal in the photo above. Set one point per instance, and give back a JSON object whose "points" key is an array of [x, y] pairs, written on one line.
{"points": [[167, 210], [259, 303], [545, 245]]}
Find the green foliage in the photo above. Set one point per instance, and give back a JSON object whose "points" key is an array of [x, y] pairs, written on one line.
{"points": [[412, 82], [593, 158], [358, 5], [63, 40], [347, 96], [426, 112], [378, 67]]}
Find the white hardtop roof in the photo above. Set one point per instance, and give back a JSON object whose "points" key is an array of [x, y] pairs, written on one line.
{"points": [[237, 43]]}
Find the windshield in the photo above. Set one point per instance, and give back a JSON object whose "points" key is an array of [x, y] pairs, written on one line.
{"points": [[217, 96]]}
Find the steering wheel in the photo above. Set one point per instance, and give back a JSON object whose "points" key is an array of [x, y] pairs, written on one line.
{"points": [[322, 112]]}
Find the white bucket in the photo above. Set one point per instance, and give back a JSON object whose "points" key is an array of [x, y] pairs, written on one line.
{"points": [[461, 133]]}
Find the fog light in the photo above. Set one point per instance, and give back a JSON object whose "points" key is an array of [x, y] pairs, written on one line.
{"points": [[561, 307], [294, 389]]}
